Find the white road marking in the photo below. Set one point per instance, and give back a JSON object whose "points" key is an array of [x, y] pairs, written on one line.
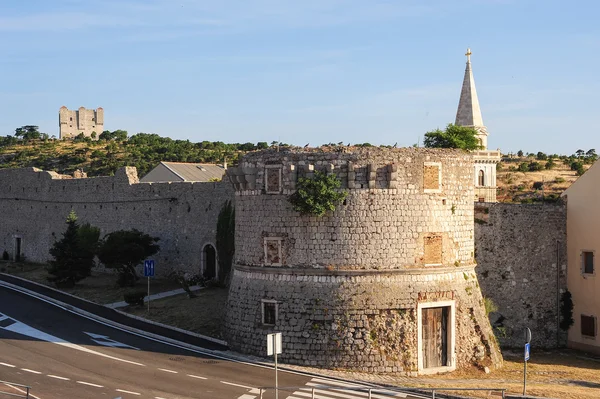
{"points": [[59, 378], [106, 341], [158, 397], [252, 389], [90, 384], [23, 391], [7, 365], [23, 329], [169, 371], [331, 389], [246, 396], [32, 371], [124, 391], [197, 376]]}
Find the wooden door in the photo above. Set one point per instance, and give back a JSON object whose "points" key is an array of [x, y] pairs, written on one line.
{"points": [[434, 323]]}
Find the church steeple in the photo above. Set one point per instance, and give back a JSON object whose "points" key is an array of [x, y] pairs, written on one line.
{"points": [[469, 113]]}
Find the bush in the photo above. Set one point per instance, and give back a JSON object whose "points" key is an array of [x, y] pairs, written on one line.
{"points": [[318, 195], [534, 166], [538, 185], [5, 255], [559, 180], [490, 306], [523, 167], [134, 297], [566, 311]]}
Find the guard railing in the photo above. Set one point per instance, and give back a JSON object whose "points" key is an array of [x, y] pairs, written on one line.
{"points": [[24, 389], [378, 392]]}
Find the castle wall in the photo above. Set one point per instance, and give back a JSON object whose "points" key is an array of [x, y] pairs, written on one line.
{"points": [[34, 206], [358, 277], [86, 121], [518, 248]]}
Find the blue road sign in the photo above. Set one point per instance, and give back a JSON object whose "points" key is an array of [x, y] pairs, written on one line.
{"points": [[527, 352], [149, 268]]}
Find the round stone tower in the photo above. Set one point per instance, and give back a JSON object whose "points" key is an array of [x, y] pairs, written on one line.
{"points": [[385, 283]]}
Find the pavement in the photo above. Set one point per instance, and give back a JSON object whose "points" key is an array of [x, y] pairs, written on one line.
{"points": [[65, 347]]}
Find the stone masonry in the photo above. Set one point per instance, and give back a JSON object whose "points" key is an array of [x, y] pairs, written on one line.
{"points": [[74, 122], [518, 249], [34, 206], [349, 289]]}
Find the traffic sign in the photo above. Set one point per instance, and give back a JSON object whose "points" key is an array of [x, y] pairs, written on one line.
{"points": [[527, 347], [273, 344], [149, 268]]}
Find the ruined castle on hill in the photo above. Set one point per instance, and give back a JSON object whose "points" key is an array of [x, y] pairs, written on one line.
{"points": [[82, 120], [392, 280]]}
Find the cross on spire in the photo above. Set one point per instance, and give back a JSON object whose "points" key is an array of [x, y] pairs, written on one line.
{"points": [[468, 54]]}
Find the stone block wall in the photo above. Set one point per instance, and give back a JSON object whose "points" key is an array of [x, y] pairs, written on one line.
{"points": [[34, 206], [349, 286], [521, 251]]}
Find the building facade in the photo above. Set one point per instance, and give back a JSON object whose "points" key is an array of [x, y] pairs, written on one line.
{"points": [[86, 121], [469, 115], [583, 281], [385, 283]]}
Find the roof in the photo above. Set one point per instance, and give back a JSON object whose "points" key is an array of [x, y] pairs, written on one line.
{"points": [[181, 171], [469, 113]]}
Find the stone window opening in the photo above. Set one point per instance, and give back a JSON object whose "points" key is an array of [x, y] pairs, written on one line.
{"points": [[587, 262], [18, 248], [481, 179], [432, 177], [432, 250], [208, 262], [588, 326], [269, 312], [273, 253], [273, 179]]}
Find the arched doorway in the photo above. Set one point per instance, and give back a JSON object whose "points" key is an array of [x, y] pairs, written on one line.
{"points": [[209, 262], [481, 178]]}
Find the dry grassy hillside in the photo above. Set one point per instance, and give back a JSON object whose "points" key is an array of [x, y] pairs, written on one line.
{"points": [[516, 186]]}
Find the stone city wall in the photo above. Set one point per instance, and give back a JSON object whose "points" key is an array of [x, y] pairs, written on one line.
{"points": [[518, 250], [34, 205]]}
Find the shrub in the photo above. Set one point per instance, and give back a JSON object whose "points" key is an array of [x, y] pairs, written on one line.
{"points": [[134, 297], [490, 306], [559, 180], [225, 241], [5, 255], [318, 195], [523, 167], [538, 185], [566, 311], [534, 166]]}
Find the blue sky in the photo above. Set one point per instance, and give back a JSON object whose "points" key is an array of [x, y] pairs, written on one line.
{"points": [[310, 71]]}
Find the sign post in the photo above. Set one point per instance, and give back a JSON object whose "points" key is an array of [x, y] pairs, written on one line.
{"points": [[149, 272], [273, 348], [526, 357]]}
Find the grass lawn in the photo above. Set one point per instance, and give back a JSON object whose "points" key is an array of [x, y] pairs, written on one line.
{"points": [[203, 314], [100, 287]]}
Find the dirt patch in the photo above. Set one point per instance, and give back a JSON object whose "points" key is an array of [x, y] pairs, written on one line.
{"points": [[203, 314], [100, 287]]}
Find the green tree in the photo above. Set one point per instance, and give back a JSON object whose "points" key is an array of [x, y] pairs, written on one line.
{"points": [[262, 145], [28, 132], [318, 195], [550, 164], [73, 255], [453, 137], [520, 153], [123, 250], [541, 156], [225, 240]]}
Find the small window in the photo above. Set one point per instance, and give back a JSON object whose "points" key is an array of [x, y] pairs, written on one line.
{"points": [[273, 179], [71, 119], [587, 262], [272, 248], [269, 312], [432, 244], [481, 180], [588, 326], [432, 177]]}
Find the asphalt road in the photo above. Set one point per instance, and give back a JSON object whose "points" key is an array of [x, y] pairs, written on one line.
{"points": [[63, 355]]}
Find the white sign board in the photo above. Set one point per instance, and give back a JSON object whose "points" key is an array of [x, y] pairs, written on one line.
{"points": [[273, 340]]}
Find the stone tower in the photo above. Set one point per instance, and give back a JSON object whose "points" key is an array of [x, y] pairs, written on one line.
{"points": [[469, 115], [385, 283], [86, 121]]}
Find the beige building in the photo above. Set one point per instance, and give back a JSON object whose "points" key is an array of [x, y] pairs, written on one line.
{"points": [[583, 241], [469, 115], [86, 121]]}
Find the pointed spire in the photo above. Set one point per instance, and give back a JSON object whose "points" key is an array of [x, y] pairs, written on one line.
{"points": [[469, 113]]}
